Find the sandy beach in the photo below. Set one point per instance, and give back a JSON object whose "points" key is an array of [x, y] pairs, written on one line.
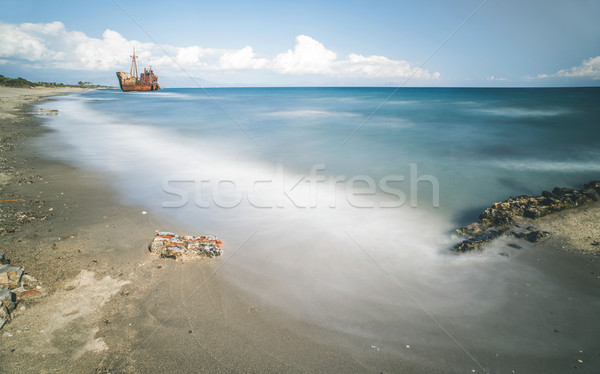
{"points": [[106, 305]]}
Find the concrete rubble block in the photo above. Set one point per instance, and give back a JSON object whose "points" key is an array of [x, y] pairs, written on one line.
{"points": [[10, 276], [29, 281], [7, 299], [7, 305], [184, 247]]}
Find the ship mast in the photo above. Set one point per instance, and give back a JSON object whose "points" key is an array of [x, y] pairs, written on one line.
{"points": [[133, 65]]}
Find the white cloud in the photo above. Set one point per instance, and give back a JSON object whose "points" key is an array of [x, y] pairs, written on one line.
{"points": [[26, 41], [308, 57], [382, 67], [589, 68], [189, 55], [494, 78], [311, 57], [52, 46], [91, 53], [244, 58]]}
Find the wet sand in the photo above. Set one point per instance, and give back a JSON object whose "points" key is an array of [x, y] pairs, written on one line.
{"points": [[107, 306]]}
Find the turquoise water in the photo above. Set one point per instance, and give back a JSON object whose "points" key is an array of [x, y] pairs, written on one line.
{"points": [[482, 145]]}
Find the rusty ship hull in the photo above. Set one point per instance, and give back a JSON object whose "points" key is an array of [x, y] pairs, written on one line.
{"points": [[128, 82]]}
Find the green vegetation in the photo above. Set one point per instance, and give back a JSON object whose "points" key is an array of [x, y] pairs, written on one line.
{"points": [[24, 83], [18, 82]]}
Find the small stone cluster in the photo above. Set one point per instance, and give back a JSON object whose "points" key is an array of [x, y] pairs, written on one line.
{"points": [[47, 112], [169, 245], [502, 217], [13, 282], [15, 210]]}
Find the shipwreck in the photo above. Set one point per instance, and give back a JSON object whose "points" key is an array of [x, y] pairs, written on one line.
{"points": [[146, 81]]}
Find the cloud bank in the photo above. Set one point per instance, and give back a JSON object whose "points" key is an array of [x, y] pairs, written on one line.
{"points": [[589, 68], [52, 46]]}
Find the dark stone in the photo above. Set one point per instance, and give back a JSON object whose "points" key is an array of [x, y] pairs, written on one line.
{"points": [[592, 195], [532, 213], [477, 241], [536, 236], [513, 245], [560, 192], [548, 194], [594, 185]]}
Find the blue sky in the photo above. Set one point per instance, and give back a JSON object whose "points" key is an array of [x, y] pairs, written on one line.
{"points": [[506, 43]]}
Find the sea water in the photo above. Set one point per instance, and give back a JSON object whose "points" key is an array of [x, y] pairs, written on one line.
{"points": [[481, 145], [338, 204]]}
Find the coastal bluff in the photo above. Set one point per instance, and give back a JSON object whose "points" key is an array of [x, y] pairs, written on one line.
{"points": [[510, 217]]}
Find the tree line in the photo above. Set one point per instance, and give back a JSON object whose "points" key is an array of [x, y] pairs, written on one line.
{"points": [[24, 83]]}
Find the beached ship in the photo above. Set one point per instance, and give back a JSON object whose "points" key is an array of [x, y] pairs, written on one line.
{"points": [[147, 81]]}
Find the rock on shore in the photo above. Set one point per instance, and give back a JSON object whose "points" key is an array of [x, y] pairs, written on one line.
{"points": [[169, 245], [505, 218], [13, 282]]}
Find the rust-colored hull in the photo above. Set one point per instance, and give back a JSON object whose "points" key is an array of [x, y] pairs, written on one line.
{"points": [[127, 82], [138, 88]]}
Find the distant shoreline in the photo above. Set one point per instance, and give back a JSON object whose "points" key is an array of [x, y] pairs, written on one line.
{"points": [[24, 83]]}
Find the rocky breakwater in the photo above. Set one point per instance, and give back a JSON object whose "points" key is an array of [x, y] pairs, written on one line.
{"points": [[510, 216]]}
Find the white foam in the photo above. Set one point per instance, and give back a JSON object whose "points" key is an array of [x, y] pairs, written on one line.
{"points": [[547, 166], [166, 94], [310, 113], [522, 112]]}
